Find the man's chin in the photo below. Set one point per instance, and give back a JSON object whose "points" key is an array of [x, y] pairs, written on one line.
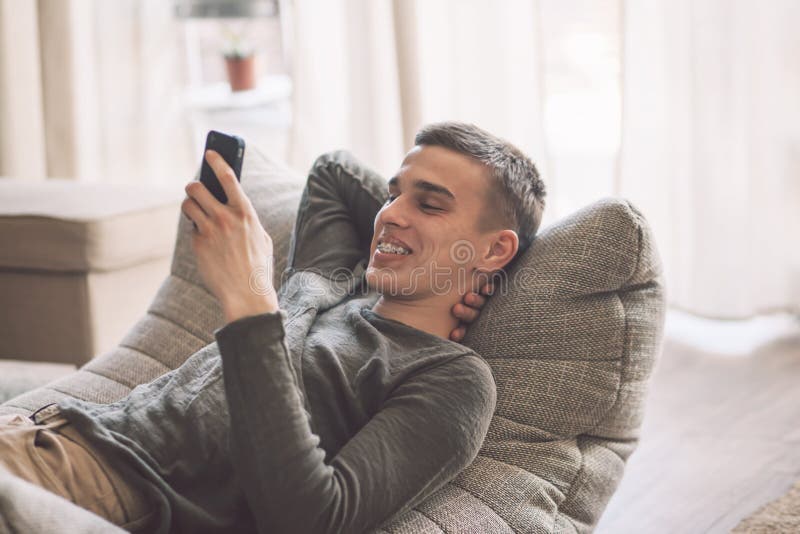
{"points": [[387, 282]]}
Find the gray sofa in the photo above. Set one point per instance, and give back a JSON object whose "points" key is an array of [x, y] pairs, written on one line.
{"points": [[572, 336]]}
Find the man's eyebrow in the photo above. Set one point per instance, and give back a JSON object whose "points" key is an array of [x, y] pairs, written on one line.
{"points": [[425, 186]]}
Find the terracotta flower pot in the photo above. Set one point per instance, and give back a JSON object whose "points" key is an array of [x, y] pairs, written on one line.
{"points": [[241, 72]]}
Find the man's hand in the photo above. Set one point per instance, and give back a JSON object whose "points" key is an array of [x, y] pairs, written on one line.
{"points": [[469, 309], [234, 252]]}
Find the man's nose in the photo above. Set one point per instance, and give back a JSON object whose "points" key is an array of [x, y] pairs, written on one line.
{"points": [[396, 213]]}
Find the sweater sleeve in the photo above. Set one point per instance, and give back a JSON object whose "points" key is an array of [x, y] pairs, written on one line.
{"points": [[338, 205], [428, 430]]}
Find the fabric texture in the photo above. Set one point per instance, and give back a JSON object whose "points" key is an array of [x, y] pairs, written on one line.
{"points": [[572, 337], [421, 406]]}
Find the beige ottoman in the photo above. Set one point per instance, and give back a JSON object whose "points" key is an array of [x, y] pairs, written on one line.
{"points": [[79, 263]]}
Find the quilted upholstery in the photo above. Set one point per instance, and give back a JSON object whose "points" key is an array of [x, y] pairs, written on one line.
{"points": [[572, 336]]}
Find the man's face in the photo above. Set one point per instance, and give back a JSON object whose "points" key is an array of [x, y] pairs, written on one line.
{"points": [[435, 203]]}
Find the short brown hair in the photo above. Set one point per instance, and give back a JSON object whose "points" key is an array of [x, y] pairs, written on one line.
{"points": [[518, 189]]}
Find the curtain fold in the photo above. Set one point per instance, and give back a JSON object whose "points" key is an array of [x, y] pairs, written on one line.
{"points": [[93, 91], [369, 73], [345, 82], [22, 134], [710, 129], [710, 144]]}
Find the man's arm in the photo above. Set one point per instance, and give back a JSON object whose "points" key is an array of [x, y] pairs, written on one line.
{"points": [[336, 215], [428, 430]]}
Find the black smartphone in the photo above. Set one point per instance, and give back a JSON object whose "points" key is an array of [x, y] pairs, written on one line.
{"points": [[231, 148]]}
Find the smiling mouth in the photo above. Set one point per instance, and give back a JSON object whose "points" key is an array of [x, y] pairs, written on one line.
{"points": [[391, 248]]}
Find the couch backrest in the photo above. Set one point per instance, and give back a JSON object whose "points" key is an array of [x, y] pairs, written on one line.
{"points": [[572, 336]]}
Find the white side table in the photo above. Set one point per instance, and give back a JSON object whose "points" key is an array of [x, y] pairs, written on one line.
{"points": [[261, 116]]}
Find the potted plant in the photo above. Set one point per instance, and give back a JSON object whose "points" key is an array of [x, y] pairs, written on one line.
{"points": [[240, 62]]}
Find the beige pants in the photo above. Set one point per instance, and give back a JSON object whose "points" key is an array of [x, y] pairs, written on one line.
{"points": [[53, 455]]}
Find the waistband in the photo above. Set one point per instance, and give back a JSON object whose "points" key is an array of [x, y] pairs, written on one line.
{"points": [[135, 504], [46, 413]]}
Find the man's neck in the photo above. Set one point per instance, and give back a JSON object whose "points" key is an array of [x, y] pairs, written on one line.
{"points": [[429, 315]]}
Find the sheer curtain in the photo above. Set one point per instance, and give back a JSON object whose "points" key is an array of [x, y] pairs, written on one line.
{"points": [[22, 148], [92, 90], [711, 148], [368, 73], [346, 91], [707, 145]]}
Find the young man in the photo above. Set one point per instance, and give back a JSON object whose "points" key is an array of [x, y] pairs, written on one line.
{"points": [[340, 400]]}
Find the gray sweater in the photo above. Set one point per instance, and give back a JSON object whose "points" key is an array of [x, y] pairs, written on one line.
{"points": [[231, 444]]}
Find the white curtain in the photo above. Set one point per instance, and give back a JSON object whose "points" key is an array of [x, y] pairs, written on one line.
{"points": [[92, 90], [707, 144], [346, 92], [710, 129], [22, 148], [368, 73], [711, 148]]}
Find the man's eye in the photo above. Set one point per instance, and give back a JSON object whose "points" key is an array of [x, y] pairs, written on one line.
{"points": [[391, 197], [428, 207]]}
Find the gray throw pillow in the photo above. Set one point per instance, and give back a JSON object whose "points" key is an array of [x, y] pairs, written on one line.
{"points": [[572, 335]]}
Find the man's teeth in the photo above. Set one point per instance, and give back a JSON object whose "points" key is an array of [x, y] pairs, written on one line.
{"points": [[388, 248]]}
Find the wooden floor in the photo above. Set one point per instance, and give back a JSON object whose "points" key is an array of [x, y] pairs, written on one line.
{"points": [[721, 437]]}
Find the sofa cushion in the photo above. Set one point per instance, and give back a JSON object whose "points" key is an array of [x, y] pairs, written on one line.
{"points": [[572, 334], [67, 225]]}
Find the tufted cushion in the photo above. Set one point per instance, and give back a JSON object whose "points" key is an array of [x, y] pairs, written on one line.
{"points": [[571, 335]]}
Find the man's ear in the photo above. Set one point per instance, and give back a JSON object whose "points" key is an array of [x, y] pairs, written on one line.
{"points": [[503, 247]]}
